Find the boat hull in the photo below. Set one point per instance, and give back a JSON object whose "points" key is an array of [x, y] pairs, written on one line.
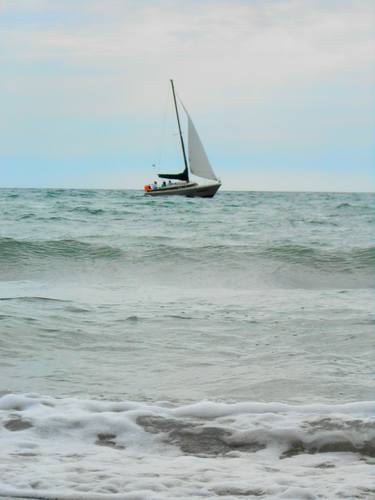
{"points": [[191, 190]]}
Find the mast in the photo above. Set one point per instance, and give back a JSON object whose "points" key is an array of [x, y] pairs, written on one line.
{"points": [[179, 129]]}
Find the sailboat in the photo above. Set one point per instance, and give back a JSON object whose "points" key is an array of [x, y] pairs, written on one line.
{"points": [[197, 164]]}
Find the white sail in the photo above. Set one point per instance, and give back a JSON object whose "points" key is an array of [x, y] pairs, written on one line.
{"points": [[198, 161]]}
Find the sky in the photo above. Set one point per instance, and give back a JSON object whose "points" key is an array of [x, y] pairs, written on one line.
{"points": [[281, 91]]}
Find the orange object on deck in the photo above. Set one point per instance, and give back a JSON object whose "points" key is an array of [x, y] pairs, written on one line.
{"points": [[146, 187]]}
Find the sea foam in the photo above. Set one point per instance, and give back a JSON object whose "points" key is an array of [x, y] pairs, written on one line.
{"points": [[68, 448]]}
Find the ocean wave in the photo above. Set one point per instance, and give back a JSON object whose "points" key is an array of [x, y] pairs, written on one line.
{"points": [[53, 193], [310, 256], [340, 260], [67, 446], [88, 210], [32, 299], [243, 255], [356, 208], [344, 205], [12, 249], [288, 265], [81, 193], [26, 216]]}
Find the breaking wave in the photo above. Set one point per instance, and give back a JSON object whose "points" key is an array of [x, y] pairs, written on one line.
{"points": [[165, 449]]}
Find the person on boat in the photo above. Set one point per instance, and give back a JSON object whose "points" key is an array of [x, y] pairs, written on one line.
{"points": [[164, 184], [154, 185]]}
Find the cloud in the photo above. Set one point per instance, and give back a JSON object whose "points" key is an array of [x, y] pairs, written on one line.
{"points": [[232, 54], [258, 42], [260, 75]]}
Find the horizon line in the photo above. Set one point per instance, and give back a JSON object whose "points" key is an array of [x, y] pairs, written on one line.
{"points": [[221, 191]]}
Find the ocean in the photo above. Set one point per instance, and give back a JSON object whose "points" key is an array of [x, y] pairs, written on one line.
{"points": [[183, 348]]}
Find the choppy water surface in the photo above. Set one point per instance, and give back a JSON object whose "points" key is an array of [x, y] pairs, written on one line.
{"points": [[210, 348]]}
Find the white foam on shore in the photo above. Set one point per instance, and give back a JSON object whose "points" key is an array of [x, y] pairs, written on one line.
{"points": [[86, 449]]}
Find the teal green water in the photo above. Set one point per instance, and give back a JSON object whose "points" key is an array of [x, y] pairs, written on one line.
{"points": [[248, 296], [184, 348]]}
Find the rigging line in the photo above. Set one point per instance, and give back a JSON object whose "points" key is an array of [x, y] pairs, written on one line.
{"points": [[186, 114], [183, 123], [161, 141]]}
